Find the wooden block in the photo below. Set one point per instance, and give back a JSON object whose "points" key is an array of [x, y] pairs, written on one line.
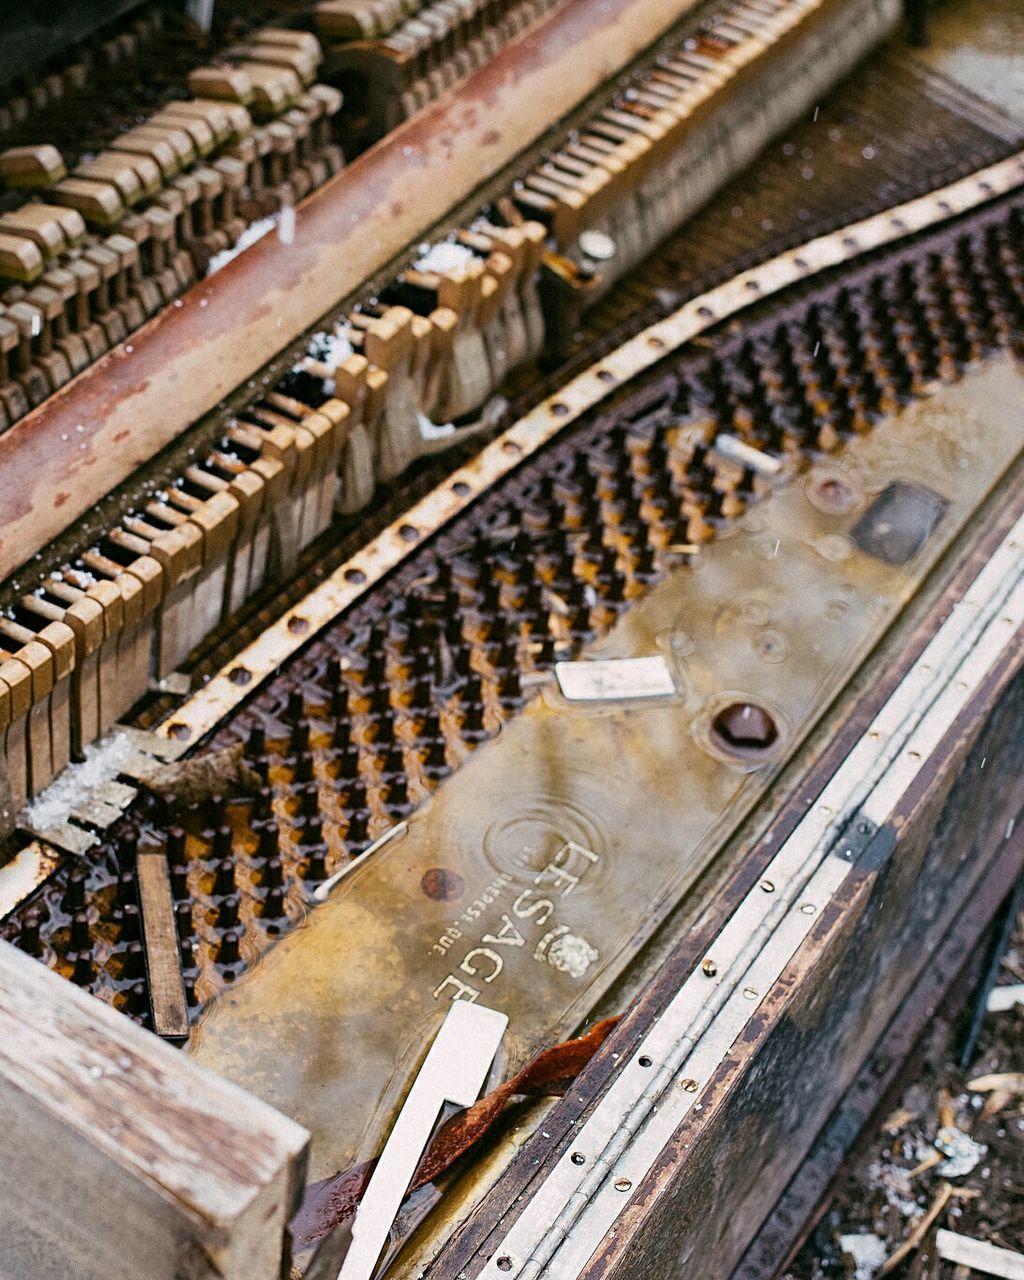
{"points": [[33, 166], [20, 258], [163, 963], [222, 81], [16, 684], [118, 171], [98, 202], [133, 1132]]}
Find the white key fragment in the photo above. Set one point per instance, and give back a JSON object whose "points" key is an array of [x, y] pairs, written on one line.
{"points": [[454, 1070], [613, 679]]}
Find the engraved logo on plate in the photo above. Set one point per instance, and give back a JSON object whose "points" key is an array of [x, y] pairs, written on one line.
{"points": [[567, 952]]}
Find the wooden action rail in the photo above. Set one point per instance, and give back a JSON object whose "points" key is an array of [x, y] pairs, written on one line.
{"points": [[129, 405], [242, 514]]}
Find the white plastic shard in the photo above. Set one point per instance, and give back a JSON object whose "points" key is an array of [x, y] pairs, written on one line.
{"points": [[454, 1070], [611, 678]]}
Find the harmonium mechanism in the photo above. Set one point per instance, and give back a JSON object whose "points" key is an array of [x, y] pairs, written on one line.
{"points": [[510, 579]]}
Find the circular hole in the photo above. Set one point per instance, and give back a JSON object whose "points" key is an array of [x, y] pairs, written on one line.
{"points": [[752, 286], [744, 729], [605, 375], [578, 1157], [180, 731], [706, 313], [461, 488], [808, 909], [688, 1085], [849, 242], [559, 409], [504, 1264], [622, 1184], [656, 344], [709, 967], [801, 263], [986, 187], [898, 224], [768, 886], [356, 576], [298, 626], [945, 206], [408, 533], [510, 446], [240, 675], [645, 1061]]}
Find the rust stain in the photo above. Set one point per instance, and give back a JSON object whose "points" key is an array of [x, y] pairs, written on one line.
{"points": [[442, 885], [60, 499]]}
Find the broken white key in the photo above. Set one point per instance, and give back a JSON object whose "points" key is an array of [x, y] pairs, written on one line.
{"points": [[615, 678], [454, 1070]]}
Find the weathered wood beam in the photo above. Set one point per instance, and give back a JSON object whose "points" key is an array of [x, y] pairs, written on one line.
{"points": [[82, 442], [121, 1157]]}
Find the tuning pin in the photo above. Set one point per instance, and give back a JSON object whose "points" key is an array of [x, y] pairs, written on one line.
{"points": [[262, 808], [298, 743], [256, 742], [28, 937], [358, 826], [222, 843], [227, 912], [138, 1001], [82, 967], [272, 875], [134, 960], [224, 877], [175, 846], [303, 767], [273, 904], [130, 930], [316, 866], [183, 919], [227, 952], [74, 894]]}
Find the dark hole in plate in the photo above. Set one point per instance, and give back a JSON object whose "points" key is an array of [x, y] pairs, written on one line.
{"points": [[899, 522]]}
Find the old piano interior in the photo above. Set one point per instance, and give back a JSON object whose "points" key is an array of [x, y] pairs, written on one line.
{"points": [[510, 558]]}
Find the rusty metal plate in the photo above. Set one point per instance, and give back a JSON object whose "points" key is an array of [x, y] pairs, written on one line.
{"points": [[534, 874]]}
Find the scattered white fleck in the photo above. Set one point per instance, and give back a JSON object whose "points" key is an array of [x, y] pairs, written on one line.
{"points": [[869, 153], [249, 236], [444, 257], [1009, 827], [866, 1251], [286, 225], [961, 1151], [102, 763]]}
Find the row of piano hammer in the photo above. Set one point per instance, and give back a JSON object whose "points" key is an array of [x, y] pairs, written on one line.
{"points": [[78, 652]]}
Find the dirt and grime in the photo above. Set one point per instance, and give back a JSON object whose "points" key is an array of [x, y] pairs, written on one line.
{"points": [[949, 1149]]}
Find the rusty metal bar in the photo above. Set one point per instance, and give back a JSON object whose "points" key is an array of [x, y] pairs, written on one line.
{"points": [[58, 461]]}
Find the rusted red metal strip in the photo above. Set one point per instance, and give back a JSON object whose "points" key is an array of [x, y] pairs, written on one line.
{"points": [[81, 443]]}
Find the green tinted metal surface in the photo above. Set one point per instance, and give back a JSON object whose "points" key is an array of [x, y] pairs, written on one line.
{"points": [[569, 836]]}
